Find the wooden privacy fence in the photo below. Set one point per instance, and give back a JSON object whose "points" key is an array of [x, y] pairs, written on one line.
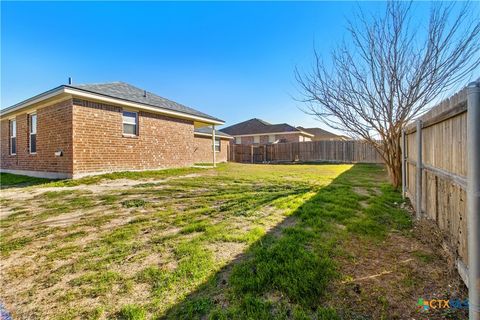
{"points": [[312, 151], [435, 171]]}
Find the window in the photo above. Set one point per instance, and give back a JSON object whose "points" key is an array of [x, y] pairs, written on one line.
{"points": [[271, 138], [301, 139], [238, 140], [217, 144], [33, 133], [130, 123], [13, 137], [256, 139]]}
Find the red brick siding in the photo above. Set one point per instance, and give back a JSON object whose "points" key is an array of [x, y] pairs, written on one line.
{"points": [[99, 144], [54, 125], [294, 137], [203, 150]]}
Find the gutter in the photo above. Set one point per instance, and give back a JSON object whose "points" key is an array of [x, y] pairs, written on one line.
{"points": [[105, 98], [209, 135]]}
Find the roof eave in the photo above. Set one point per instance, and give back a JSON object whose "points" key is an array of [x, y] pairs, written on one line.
{"points": [[33, 100], [104, 98], [88, 94], [209, 135]]}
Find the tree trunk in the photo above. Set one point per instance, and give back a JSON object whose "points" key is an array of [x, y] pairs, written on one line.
{"points": [[392, 155]]}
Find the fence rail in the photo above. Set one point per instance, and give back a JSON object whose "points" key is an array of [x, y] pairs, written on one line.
{"points": [[313, 151]]}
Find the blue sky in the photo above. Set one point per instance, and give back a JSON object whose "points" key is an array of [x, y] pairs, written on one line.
{"points": [[233, 60]]}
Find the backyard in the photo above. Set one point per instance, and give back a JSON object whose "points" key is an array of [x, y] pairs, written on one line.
{"points": [[236, 242]]}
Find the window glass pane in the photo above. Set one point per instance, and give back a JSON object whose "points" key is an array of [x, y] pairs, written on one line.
{"points": [[13, 145], [129, 117], [33, 143], [129, 128], [13, 128], [256, 139], [217, 144], [271, 138], [33, 123], [238, 140]]}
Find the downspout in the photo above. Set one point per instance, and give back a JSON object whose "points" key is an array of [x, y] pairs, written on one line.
{"points": [[473, 198], [213, 146]]}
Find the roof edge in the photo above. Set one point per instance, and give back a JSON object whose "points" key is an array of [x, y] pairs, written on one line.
{"points": [[209, 135], [102, 97]]}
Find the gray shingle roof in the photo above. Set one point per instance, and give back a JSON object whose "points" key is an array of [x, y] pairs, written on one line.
{"points": [[125, 91], [256, 126], [208, 130]]}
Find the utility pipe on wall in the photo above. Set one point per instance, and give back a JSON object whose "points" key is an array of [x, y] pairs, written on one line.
{"points": [[473, 198], [213, 146]]}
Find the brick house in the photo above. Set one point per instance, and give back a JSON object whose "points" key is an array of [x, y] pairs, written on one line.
{"points": [[76, 130], [203, 145], [256, 131]]}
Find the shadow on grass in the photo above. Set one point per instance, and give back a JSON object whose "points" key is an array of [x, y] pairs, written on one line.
{"points": [[288, 272], [8, 180]]}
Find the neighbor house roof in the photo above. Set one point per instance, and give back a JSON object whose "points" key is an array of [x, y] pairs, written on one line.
{"points": [[121, 92], [258, 126], [207, 131], [321, 133]]}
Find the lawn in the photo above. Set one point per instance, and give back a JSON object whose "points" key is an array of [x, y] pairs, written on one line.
{"points": [[235, 242]]}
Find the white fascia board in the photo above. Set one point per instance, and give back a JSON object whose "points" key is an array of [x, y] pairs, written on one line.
{"points": [[209, 135], [35, 99], [89, 95]]}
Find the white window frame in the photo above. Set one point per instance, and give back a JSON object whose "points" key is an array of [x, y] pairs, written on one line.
{"points": [[238, 140], [256, 139], [12, 128], [130, 123], [30, 132], [271, 138], [218, 143]]}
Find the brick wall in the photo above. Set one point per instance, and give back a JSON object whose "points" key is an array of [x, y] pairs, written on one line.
{"points": [[99, 144], [203, 150], [54, 125]]}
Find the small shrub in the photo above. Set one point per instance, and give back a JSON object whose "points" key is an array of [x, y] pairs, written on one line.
{"points": [[134, 203]]}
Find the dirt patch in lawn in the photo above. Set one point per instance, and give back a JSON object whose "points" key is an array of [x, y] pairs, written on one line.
{"points": [[385, 280], [21, 194]]}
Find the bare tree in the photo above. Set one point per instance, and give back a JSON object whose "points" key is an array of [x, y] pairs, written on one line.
{"points": [[389, 72]]}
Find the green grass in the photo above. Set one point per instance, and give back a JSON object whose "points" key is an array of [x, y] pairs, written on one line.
{"points": [[235, 242], [131, 312], [135, 175], [11, 180]]}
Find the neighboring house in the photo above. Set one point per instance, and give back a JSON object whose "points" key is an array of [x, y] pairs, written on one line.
{"points": [[322, 135], [256, 131], [203, 145], [76, 130]]}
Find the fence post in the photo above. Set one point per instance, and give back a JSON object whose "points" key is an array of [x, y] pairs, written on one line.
{"points": [[473, 198], [418, 197], [404, 169]]}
